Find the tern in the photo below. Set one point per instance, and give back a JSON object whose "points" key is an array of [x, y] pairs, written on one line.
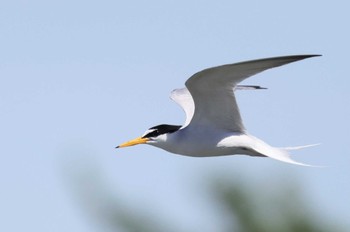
{"points": [[213, 125]]}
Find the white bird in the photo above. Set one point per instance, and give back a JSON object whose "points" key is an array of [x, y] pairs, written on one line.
{"points": [[213, 125]]}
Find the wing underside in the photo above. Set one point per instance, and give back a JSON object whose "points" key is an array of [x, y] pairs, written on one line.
{"points": [[184, 99]]}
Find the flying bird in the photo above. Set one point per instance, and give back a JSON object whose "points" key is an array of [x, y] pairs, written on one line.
{"points": [[213, 125]]}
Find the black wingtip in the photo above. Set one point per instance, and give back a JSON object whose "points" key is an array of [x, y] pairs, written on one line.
{"points": [[301, 57], [308, 56], [258, 87], [312, 55], [249, 87], [282, 60]]}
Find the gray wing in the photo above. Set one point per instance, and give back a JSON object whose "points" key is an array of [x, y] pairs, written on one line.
{"points": [[212, 91]]}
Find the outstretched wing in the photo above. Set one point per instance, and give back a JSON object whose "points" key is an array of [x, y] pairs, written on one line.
{"points": [[184, 99], [212, 91]]}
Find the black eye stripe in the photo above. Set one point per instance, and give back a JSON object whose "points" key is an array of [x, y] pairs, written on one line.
{"points": [[152, 134], [161, 129]]}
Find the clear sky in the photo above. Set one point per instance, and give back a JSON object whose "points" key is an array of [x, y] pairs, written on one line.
{"points": [[80, 77]]}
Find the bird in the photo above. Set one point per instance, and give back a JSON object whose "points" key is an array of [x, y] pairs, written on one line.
{"points": [[213, 124]]}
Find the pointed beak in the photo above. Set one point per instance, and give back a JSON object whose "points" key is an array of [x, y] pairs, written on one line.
{"points": [[133, 142]]}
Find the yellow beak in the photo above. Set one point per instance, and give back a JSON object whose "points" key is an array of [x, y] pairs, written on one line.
{"points": [[133, 142]]}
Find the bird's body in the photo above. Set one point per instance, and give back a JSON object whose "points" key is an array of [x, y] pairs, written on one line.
{"points": [[219, 143], [213, 125], [201, 146]]}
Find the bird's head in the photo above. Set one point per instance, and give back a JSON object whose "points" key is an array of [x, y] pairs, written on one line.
{"points": [[152, 135]]}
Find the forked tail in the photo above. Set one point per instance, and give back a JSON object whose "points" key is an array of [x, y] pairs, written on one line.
{"points": [[282, 154], [299, 147], [290, 160]]}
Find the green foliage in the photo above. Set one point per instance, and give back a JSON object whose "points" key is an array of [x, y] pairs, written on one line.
{"points": [[274, 207], [262, 210]]}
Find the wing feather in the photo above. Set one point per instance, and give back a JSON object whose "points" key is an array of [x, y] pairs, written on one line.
{"points": [[185, 100], [212, 91]]}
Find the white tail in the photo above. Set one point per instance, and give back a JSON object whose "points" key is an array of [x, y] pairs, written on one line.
{"points": [[299, 147], [286, 149], [280, 154]]}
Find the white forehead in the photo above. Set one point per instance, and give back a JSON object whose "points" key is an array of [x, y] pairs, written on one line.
{"points": [[148, 131]]}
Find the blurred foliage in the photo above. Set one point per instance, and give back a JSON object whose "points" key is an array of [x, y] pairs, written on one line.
{"points": [[253, 209], [243, 208], [101, 204]]}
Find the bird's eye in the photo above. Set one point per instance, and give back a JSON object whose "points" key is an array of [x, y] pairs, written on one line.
{"points": [[151, 133]]}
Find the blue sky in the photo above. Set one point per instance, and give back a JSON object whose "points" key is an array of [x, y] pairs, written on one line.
{"points": [[80, 77]]}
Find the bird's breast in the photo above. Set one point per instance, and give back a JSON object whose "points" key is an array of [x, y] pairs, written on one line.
{"points": [[201, 143]]}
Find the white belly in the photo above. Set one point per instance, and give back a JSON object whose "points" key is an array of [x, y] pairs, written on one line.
{"points": [[207, 143]]}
